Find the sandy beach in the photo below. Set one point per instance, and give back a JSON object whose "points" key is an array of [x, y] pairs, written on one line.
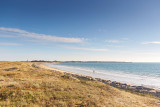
{"points": [[132, 88]]}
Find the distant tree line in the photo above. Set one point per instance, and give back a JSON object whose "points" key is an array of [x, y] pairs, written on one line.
{"points": [[43, 61]]}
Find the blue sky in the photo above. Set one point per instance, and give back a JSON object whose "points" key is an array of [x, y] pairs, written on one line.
{"points": [[103, 30]]}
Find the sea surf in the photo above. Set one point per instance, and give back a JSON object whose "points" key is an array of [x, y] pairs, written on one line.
{"points": [[140, 74]]}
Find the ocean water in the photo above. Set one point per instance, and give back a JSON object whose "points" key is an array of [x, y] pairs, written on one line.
{"points": [[141, 74]]}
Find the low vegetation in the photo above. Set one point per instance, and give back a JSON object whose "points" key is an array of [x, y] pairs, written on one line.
{"points": [[22, 84]]}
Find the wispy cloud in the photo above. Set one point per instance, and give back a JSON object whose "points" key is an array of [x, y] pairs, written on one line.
{"points": [[152, 42], [12, 44], [87, 49], [112, 41], [51, 38]]}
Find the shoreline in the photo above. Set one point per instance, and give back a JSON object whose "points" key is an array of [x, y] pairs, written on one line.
{"points": [[132, 88]]}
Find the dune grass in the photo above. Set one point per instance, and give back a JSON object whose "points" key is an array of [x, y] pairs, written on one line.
{"points": [[22, 84]]}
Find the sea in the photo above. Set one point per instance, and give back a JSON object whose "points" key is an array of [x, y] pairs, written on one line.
{"points": [[139, 74]]}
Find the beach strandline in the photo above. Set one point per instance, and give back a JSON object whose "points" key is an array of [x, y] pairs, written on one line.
{"points": [[128, 87]]}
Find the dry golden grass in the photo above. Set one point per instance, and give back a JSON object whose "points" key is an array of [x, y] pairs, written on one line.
{"points": [[21, 84]]}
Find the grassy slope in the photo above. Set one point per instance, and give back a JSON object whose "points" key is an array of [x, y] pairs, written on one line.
{"points": [[21, 84]]}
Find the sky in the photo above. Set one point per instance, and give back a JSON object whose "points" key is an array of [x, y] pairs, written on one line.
{"points": [[85, 30]]}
